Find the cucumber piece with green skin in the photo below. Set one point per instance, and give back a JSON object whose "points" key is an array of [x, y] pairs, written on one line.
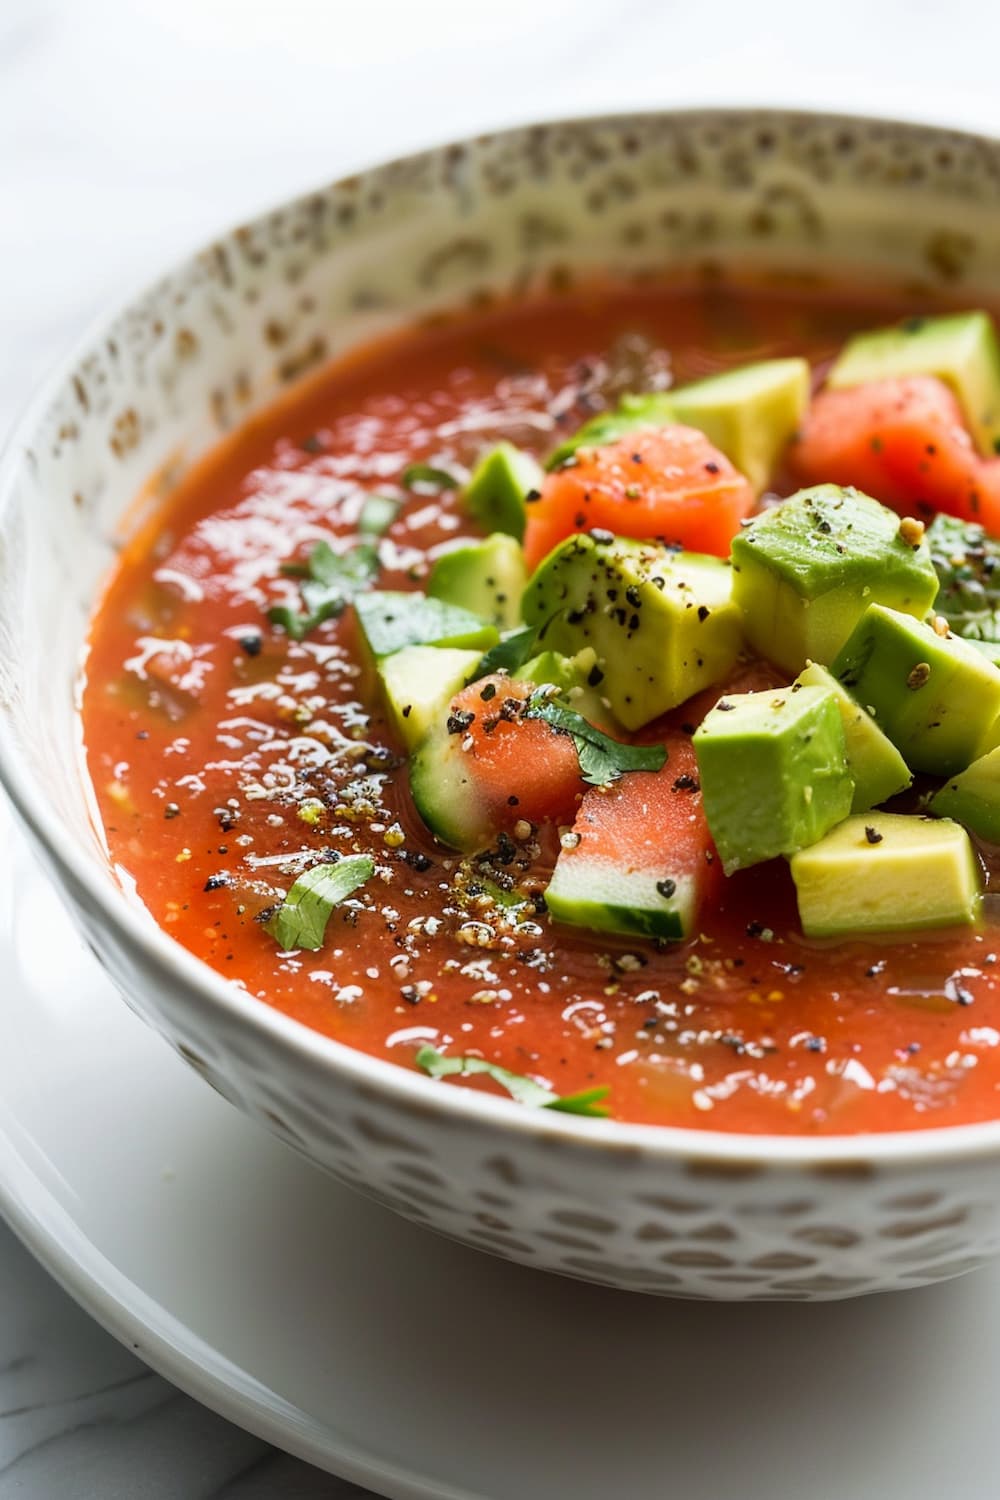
{"points": [[972, 798], [805, 571], [774, 774], [876, 766], [881, 872], [498, 490], [639, 861], [391, 620], [485, 577], [662, 623], [600, 895], [960, 348], [750, 414], [445, 794], [419, 682], [935, 696]]}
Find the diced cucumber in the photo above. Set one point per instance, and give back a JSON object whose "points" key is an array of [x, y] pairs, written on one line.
{"points": [[419, 682], [390, 621]]}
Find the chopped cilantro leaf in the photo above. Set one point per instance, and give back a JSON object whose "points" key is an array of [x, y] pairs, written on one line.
{"points": [[967, 563], [427, 474], [508, 654], [330, 581], [602, 759], [300, 921], [524, 1090]]}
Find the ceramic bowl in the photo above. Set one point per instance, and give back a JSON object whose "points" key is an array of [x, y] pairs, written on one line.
{"points": [[676, 1212]]}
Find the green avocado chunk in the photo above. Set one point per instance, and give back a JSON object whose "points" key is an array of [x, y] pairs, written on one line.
{"points": [[876, 766], [805, 571], [960, 348], [390, 620], [749, 414], [989, 649], [486, 577], [419, 682], [881, 872], [935, 696], [499, 487], [774, 775], [972, 798], [662, 623]]}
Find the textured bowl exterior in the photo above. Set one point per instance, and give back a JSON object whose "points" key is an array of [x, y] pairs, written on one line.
{"points": [[681, 1213]]}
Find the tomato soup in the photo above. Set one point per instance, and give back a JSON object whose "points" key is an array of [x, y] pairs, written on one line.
{"points": [[228, 757]]}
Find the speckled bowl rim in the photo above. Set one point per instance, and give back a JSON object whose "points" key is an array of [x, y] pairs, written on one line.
{"points": [[671, 1143]]}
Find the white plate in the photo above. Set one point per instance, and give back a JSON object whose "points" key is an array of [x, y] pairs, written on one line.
{"points": [[410, 1364]]}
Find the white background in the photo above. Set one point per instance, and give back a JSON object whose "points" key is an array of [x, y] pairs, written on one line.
{"points": [[130, 130]]}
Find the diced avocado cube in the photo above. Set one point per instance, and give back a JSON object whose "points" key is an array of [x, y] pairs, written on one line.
{"points": [[960, 348], [662, 623], [750, 414], [390, 620], [419, 682], [578, 678], [881, 872], [989, 649], [806, 570], [499, 487], [774, 775], [935, 696], [876, 766], [972, 798], [654, 409], [486, 577]]}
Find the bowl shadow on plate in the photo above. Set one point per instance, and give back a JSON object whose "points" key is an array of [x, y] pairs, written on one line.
{"points": [[455, 1339]]}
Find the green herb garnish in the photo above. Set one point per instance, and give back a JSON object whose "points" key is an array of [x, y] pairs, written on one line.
{"points": [[524, 1090], [439, 479], [967, 563], [330, 581], [300, 921], [511, 652], [377, 514], [602, 759]]}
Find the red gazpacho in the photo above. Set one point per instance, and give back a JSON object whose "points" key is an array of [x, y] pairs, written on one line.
{"points": [[594, 700]]}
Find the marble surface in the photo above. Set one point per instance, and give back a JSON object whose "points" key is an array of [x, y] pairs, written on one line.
{"points": [[129, 130]]}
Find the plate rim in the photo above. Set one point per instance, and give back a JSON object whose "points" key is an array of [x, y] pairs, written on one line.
{"points": [[170, 1347]]}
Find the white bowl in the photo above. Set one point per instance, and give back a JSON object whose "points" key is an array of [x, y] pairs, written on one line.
{"points": [[677, 1212]]}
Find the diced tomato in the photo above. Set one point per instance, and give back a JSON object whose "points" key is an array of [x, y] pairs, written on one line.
{"points": [[905, 443], [661, 483], [519, 767]]}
